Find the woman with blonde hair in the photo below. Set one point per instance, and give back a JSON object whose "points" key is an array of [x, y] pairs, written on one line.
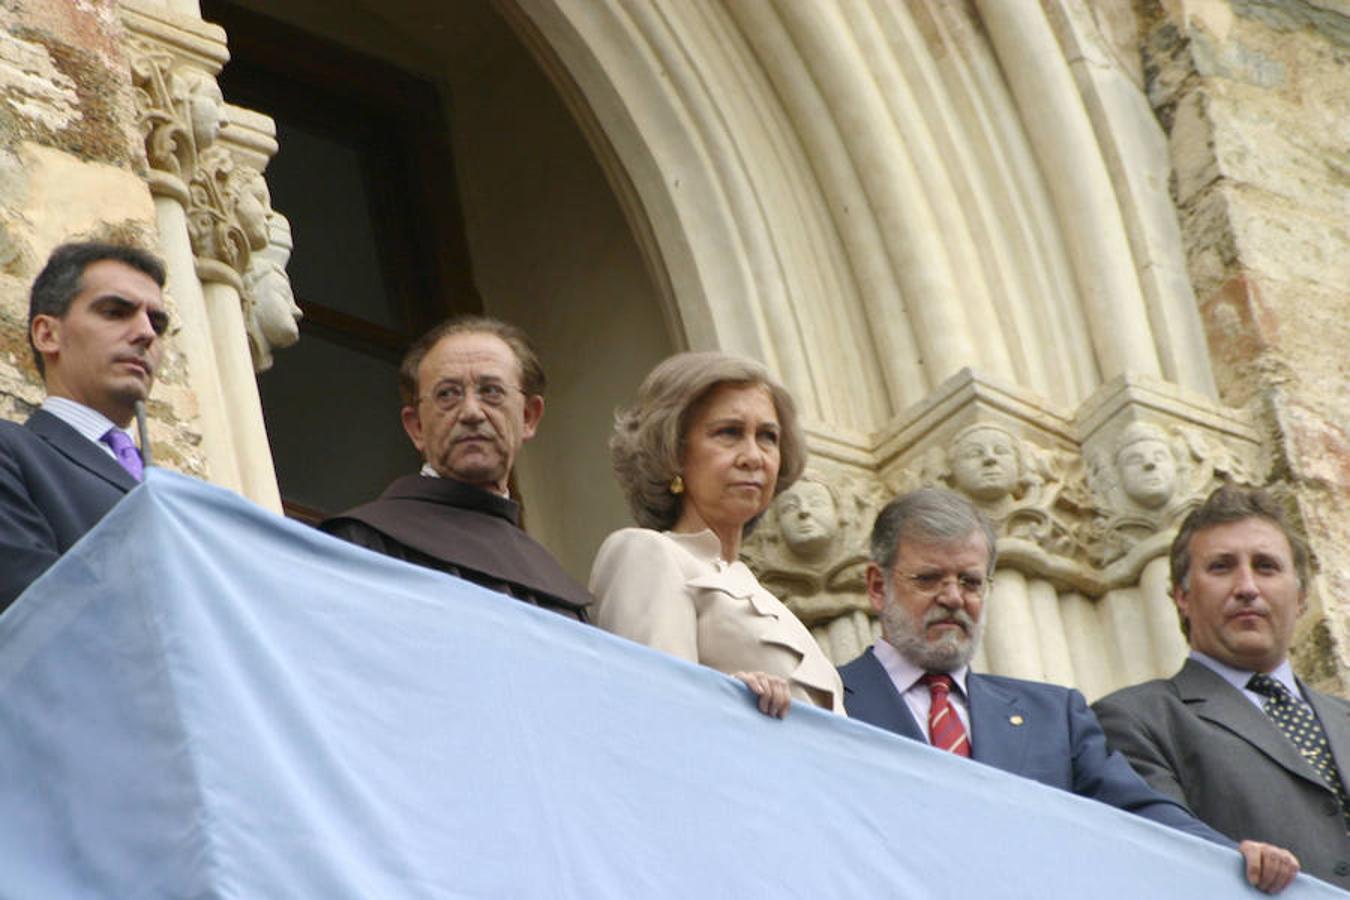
{"points": [[711, 440]]}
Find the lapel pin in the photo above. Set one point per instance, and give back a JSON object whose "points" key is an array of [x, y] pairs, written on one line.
{"points": [[1016, 720]]}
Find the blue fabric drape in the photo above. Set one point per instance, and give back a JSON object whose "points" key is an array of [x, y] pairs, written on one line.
{"points": [[204, 700]]}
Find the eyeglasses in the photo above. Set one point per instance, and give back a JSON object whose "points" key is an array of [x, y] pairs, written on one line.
{"points": [[448, 395], [930, 584]]}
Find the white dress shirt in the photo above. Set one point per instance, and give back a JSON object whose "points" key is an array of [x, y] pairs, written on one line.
{"points": [[905, 676]]}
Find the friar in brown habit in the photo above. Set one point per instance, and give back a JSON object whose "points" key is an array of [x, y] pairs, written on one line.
{"points": [[472, 395]]}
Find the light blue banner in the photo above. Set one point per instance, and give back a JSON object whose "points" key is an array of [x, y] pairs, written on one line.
{"points": [[205, 700]]}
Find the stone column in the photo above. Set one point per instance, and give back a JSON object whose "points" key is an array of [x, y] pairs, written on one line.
{"points": [[213, 212], [181, 113]]}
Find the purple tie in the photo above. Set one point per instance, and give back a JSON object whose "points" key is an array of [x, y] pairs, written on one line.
{"points": [[125, 451]]}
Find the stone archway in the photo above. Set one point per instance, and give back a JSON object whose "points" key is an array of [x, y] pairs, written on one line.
{"points": [[928, 217]]}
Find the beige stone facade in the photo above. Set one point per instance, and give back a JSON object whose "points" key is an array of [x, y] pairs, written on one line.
{"points": [[1081, 260]]}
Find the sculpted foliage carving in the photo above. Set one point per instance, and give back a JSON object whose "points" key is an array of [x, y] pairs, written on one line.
{"points": [[213, 222], [181, 112], [160, 99]]}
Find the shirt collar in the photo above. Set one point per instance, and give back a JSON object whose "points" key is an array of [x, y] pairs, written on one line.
{"points": [[1238, 678], [89, 422], [904, 674]]}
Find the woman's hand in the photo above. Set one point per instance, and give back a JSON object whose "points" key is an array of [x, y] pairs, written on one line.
{"points": [[772, 691]]}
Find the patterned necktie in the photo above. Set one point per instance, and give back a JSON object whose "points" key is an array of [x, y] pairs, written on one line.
{"points": [[1297, 721], [125, 450], [945, 730]]}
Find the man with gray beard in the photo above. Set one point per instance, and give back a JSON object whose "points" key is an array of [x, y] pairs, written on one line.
{"points": [[933, 556]]}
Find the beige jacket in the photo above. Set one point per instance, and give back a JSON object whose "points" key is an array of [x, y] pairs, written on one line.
{"points": [[675, 593]]}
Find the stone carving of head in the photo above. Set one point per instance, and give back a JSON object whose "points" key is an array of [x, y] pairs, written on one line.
{"points": [[986, 462], [206, 108], [252, 207], [274, 316], [808, 517], [1146, 465]]}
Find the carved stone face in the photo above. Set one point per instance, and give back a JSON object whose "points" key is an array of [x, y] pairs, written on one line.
{"points": [[275, 316], [1148, 472], [985, 464], [251, 208], [206, 105], [275, 309], [807, 517]]}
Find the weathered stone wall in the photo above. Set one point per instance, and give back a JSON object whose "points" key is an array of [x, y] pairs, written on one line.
{"points": [[71, 166], [1255, 96]]}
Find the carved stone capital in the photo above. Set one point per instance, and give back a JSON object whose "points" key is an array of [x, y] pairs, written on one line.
{"points": [[213, 216], [271, 315], [187, 38], [159, 97], [1153, 454], [162, 44], [182, 113]]}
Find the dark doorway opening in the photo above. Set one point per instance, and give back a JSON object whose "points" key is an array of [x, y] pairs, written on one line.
{"points": [[365, 174]]}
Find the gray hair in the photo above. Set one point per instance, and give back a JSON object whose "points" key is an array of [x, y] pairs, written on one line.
{"points": [[928, 514], [649, 436]]}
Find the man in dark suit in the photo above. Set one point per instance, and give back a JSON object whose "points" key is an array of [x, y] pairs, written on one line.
{"points": [[932, 561], [1234, 735], [96, 319]]}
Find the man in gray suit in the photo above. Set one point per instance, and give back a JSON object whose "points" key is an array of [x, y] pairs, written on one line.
{"points": [[1234, 735]]}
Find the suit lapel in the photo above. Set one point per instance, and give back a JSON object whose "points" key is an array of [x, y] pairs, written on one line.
{"points": [[994, 740], [79, 450], [870, 695], [1217, 701], [1335, 719]]}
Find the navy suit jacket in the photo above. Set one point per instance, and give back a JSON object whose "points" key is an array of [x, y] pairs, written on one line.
{"points": [[1039, 731], [54, 486]]}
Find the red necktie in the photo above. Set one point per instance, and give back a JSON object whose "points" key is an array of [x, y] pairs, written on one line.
{"points": [[945, 730]]}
